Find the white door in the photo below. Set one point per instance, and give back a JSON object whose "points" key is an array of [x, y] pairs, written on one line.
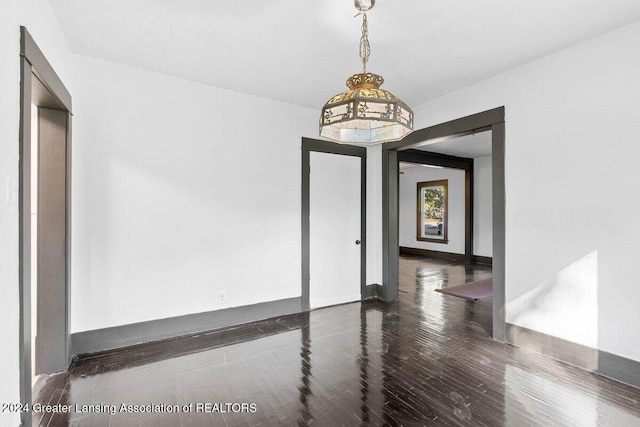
{"points": [[334, 228]]}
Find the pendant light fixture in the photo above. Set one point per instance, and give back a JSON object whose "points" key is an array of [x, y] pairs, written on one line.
{"points": [[365, 113]]}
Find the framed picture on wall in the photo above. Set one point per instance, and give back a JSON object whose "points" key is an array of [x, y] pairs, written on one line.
{"points": [[431, 215]]}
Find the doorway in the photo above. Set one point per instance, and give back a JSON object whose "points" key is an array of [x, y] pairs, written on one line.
{"points": [[449, 230], [333, 223], [488, 120], [45, 181]]}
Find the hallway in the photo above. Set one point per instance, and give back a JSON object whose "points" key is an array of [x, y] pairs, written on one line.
{"points": [[427, 359]]}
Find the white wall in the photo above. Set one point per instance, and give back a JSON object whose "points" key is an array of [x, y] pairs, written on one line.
{"points": [[407, 196], [37, 16], [572, 132], [181, 192], [482, 207], [9, 116]]}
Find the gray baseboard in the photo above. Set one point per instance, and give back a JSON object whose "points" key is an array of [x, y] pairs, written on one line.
{"points": [[153, 330], [429, 253], [479, 259], [476, 259], [609, 365], [372, 291]]}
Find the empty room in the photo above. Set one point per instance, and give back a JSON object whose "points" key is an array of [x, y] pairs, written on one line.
{"points": [[336, 212]]}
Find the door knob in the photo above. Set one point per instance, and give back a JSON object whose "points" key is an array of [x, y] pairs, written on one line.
{"points": [[358, 242]]}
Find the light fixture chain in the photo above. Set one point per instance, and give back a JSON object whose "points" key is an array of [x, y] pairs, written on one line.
{"points": [[365, 49]]}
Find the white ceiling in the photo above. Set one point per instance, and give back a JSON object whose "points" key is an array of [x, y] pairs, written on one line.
{"points": [[470, 146], [302, 51]]}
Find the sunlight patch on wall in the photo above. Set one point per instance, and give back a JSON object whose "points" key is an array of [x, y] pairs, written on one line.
{"points": [[564, 305]]}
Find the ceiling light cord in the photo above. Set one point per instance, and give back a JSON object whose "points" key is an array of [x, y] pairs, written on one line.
{"points": [[365, 48]]}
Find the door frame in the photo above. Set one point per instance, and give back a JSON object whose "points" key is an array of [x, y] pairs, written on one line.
{"points": [[309, 145], [48, 92], [487, 120], [419, 157]]}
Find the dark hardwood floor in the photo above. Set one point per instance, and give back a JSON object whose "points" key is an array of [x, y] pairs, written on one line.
{"points": [[427, 359]]}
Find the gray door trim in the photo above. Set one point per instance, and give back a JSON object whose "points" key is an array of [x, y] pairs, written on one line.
{"points": [[52, 329], [30, 51], [50, 93], [490, 119], [309, 145]]}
